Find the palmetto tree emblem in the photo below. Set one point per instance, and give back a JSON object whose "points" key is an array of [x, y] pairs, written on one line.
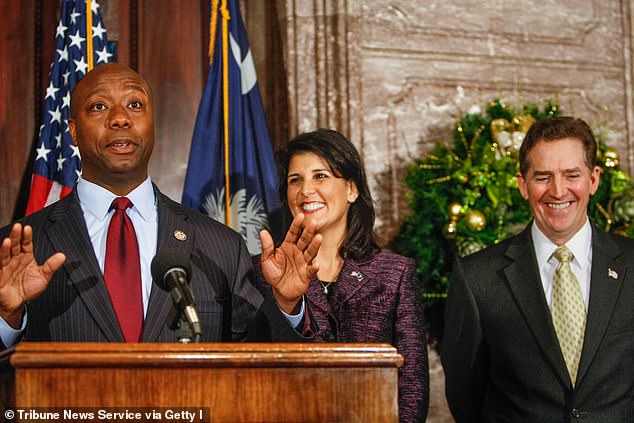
{"points": [[248, 216]]}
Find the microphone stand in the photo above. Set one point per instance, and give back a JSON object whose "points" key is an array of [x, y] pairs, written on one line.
{"points": [[184, 331]]}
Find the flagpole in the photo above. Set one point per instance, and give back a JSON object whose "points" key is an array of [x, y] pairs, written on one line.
{"points": [[89, 47], [213, 23], [225, 100]]}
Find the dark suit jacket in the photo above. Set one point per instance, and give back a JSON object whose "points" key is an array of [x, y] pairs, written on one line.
{"points": [[76, 305], [500, 352], [376, 301]]}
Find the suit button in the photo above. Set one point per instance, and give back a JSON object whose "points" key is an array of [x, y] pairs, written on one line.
{"points": [[328, 336], [575, 413]]}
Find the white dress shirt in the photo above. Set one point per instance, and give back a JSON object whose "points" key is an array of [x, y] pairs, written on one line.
{"points": [[95, 203], [580, 245]]}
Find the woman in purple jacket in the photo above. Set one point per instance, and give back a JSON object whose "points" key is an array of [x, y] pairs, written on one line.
{"points": [[361, 293]]}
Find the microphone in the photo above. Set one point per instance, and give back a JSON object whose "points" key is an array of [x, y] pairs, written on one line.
{"points": [[171, 270]]}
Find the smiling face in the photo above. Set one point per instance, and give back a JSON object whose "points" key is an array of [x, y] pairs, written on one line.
{"points": [[313, 189], [112, 123], [558, 185]]}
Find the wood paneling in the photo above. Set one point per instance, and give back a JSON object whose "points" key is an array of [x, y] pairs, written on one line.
{"points": [[171, 59], [17, 121]]}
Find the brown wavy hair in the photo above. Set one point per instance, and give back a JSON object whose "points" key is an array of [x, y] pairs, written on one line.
{"points": [[555, 129]]}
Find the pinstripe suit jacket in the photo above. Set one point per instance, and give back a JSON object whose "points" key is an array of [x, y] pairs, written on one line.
{"points": [[76, 305]]}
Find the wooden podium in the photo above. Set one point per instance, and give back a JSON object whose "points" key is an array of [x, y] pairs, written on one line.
{"points": [[233, 382]]}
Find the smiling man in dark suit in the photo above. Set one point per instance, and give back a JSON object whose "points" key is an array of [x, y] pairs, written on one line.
{"points": [[539, 328], [70, 297]]}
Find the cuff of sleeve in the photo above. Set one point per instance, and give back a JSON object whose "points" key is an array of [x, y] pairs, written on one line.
{"points": [[295, 319], [10, 336]]}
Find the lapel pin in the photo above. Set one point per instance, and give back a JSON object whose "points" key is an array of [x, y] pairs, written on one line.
{"points": [[180, 235], [357, 275], [612, 274]]}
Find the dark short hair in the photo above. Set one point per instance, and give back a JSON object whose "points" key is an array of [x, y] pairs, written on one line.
{"points": [[344, 162], [555, 129]]}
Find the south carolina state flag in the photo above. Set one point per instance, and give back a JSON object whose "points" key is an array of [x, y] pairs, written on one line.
{"points": [[231, 158]]}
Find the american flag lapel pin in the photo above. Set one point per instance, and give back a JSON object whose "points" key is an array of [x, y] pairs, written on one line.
{"points": [[612, 274]]}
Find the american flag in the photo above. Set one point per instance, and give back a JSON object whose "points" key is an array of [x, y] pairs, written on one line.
{"points": [[57, 162]]}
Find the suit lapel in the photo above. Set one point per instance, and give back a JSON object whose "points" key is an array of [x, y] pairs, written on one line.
{"points": [[525, 283], [351, 278], [175, 233], [608, 272], [318, 297], [67, 233]]}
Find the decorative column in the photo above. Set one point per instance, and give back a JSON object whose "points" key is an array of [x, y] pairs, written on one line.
{"points": [[321, 56]]}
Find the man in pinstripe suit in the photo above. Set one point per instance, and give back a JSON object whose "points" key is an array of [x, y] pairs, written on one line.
{"points": [[112, 123]]}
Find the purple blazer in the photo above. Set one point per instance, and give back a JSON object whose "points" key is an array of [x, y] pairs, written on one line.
{"points": [[377, 300]]}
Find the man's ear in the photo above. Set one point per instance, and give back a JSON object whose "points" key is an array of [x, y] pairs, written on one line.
{"points": [[352, 191], [72, 128], [595, 178], [521, 184]]}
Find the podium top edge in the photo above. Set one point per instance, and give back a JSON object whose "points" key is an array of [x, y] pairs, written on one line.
{"points": [[70, 354], [201, 347]]}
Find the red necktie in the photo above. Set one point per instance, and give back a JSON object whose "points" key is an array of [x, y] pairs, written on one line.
{"points": [[122, 271]]}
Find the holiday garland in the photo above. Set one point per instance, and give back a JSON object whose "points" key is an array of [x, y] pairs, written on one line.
{"points": [[465, 197]]}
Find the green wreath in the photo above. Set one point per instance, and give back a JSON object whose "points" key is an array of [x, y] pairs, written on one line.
{"points": [[464, 197]]}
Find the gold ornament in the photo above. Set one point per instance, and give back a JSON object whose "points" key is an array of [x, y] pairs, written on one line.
{"points": [[498, 126], [611, 158], [455, 211], [522, 123], [518, 139], [476, 221], [450, 230], [508, 136]]}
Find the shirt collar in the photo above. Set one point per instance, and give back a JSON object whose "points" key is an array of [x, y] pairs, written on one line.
{"points": [[96, 199], [580, 245]]}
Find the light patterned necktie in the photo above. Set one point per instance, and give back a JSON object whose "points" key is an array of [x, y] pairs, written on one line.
{"points": [[569, 311]]}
